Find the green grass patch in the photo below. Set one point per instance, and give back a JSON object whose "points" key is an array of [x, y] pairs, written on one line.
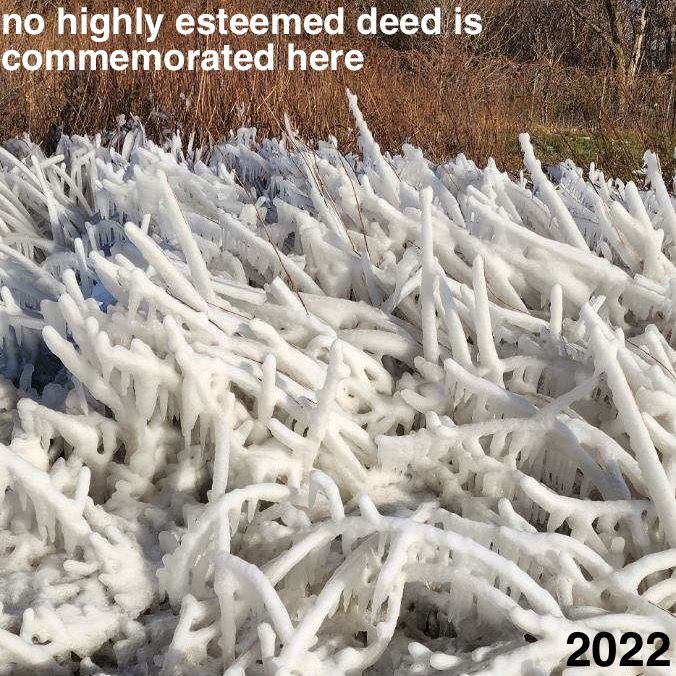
{"points": [[619, 155]]}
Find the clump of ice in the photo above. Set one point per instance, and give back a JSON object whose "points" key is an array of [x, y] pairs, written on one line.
{"points": [[274, 410]]}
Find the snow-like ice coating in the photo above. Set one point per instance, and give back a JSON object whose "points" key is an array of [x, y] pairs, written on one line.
{"points": [[274, 410]]}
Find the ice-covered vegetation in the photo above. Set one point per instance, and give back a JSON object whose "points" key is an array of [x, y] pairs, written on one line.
{"points": [[269, 409]]}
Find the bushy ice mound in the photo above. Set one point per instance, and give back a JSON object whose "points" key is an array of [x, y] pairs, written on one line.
{"points": [[274, 410]]}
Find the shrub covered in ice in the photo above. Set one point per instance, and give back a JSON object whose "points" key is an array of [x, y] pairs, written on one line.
{"points": [[269, 409]]}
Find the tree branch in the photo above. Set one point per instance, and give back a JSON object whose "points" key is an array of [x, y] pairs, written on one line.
{"points": [[581, 15]]}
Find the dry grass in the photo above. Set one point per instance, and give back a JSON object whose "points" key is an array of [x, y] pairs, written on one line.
{"points": [[442, 96]]}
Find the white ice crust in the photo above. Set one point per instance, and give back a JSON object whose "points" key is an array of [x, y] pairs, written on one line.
{"points": [[275, 410]]}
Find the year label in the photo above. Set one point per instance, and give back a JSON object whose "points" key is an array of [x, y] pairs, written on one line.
{"points": [[604, 650]]}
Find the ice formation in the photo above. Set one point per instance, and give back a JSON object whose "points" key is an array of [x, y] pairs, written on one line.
{"points": [[274, 410]]}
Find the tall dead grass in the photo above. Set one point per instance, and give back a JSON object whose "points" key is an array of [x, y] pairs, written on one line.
{"points": [[441, 95]]}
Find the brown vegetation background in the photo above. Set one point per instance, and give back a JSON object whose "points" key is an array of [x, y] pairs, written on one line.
{"points": [[590, 79]]}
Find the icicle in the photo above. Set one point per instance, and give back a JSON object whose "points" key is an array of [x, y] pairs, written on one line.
{"points": [[490, 361], [222, 434], [556, 310], [427, 289]]}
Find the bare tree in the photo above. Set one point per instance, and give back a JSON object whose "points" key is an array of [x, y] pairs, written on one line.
{"points": [[622, 26]]}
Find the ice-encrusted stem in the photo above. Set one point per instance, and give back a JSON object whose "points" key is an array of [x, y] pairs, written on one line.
{"points": [[454, 328], [320, 418], [660, 488], [173, 278], [556, 310], [222, 434], [667, 211], [254, 581], [571, 233], [490, 362], [198, 268], [177, 565], [428, 283], [371, 149], [39, 485]]}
